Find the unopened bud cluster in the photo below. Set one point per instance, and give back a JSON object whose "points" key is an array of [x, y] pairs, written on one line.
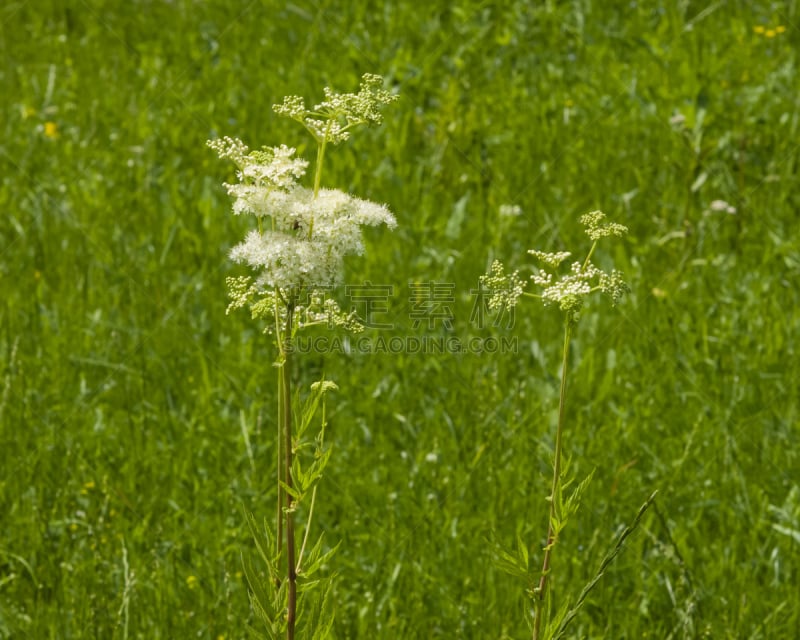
{"points": [[567, 290], [331, 119]]}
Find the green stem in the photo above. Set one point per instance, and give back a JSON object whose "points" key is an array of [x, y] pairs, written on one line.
{"points": [[318, 168], [281, 492], [308, 530], [541, 592], [286, 414], [589, 257]]}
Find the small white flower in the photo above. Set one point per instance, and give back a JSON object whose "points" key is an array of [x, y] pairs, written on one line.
{"points": [[678, 120], [721, 205], [510, 210]]}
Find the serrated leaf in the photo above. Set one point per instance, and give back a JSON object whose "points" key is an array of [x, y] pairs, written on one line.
{"points": [[323, 630], [522, 550], [298, 475], [292, 491], [254, 633], [311, 405], [314, 472], [308, 586], [510, 563], [555, 622], [259, 598], [262, 539], [316, 560], [574, 500]]}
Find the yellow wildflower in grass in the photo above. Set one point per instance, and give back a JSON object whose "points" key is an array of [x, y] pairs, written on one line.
{"points": [[191, 582], [51, 130], [769, 33]]}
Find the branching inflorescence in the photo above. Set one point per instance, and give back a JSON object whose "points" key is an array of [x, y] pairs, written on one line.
{"points": [[568, 290]]}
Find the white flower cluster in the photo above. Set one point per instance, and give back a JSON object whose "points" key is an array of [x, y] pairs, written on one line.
{"points": [[550, 259], [309, 236], [504, 289], [597, 228], [614, 285], [568, 291], [331, 119]]}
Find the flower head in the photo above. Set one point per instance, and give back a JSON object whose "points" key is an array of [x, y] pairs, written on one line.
{"points": [[567, 290], [303, 235], [309, 235], [597, 228], [331, 119], [504, 289]]}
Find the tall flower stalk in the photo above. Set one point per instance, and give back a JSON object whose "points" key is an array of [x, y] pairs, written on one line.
{"points": [[297, 252], [569, 291]]}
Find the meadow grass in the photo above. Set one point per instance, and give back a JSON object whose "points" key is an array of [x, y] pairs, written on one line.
{"points": [[135, 417]]}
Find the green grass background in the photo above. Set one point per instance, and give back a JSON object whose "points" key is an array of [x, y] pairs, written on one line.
{"points": [[125, 390]]}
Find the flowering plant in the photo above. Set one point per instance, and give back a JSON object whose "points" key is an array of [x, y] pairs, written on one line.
{"points": [[569, 291], [297, 253]]}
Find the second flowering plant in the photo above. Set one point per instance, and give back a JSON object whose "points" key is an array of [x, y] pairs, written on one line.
{"points": [[568, 289]]}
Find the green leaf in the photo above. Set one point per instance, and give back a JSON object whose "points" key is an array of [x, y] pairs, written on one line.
{"points": [[509, 561], [522, 550], [292, 491], [263, 540], [326, 615], [261, 601], [316, 559], [311, 405], [555, 622], [573, 502]]}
